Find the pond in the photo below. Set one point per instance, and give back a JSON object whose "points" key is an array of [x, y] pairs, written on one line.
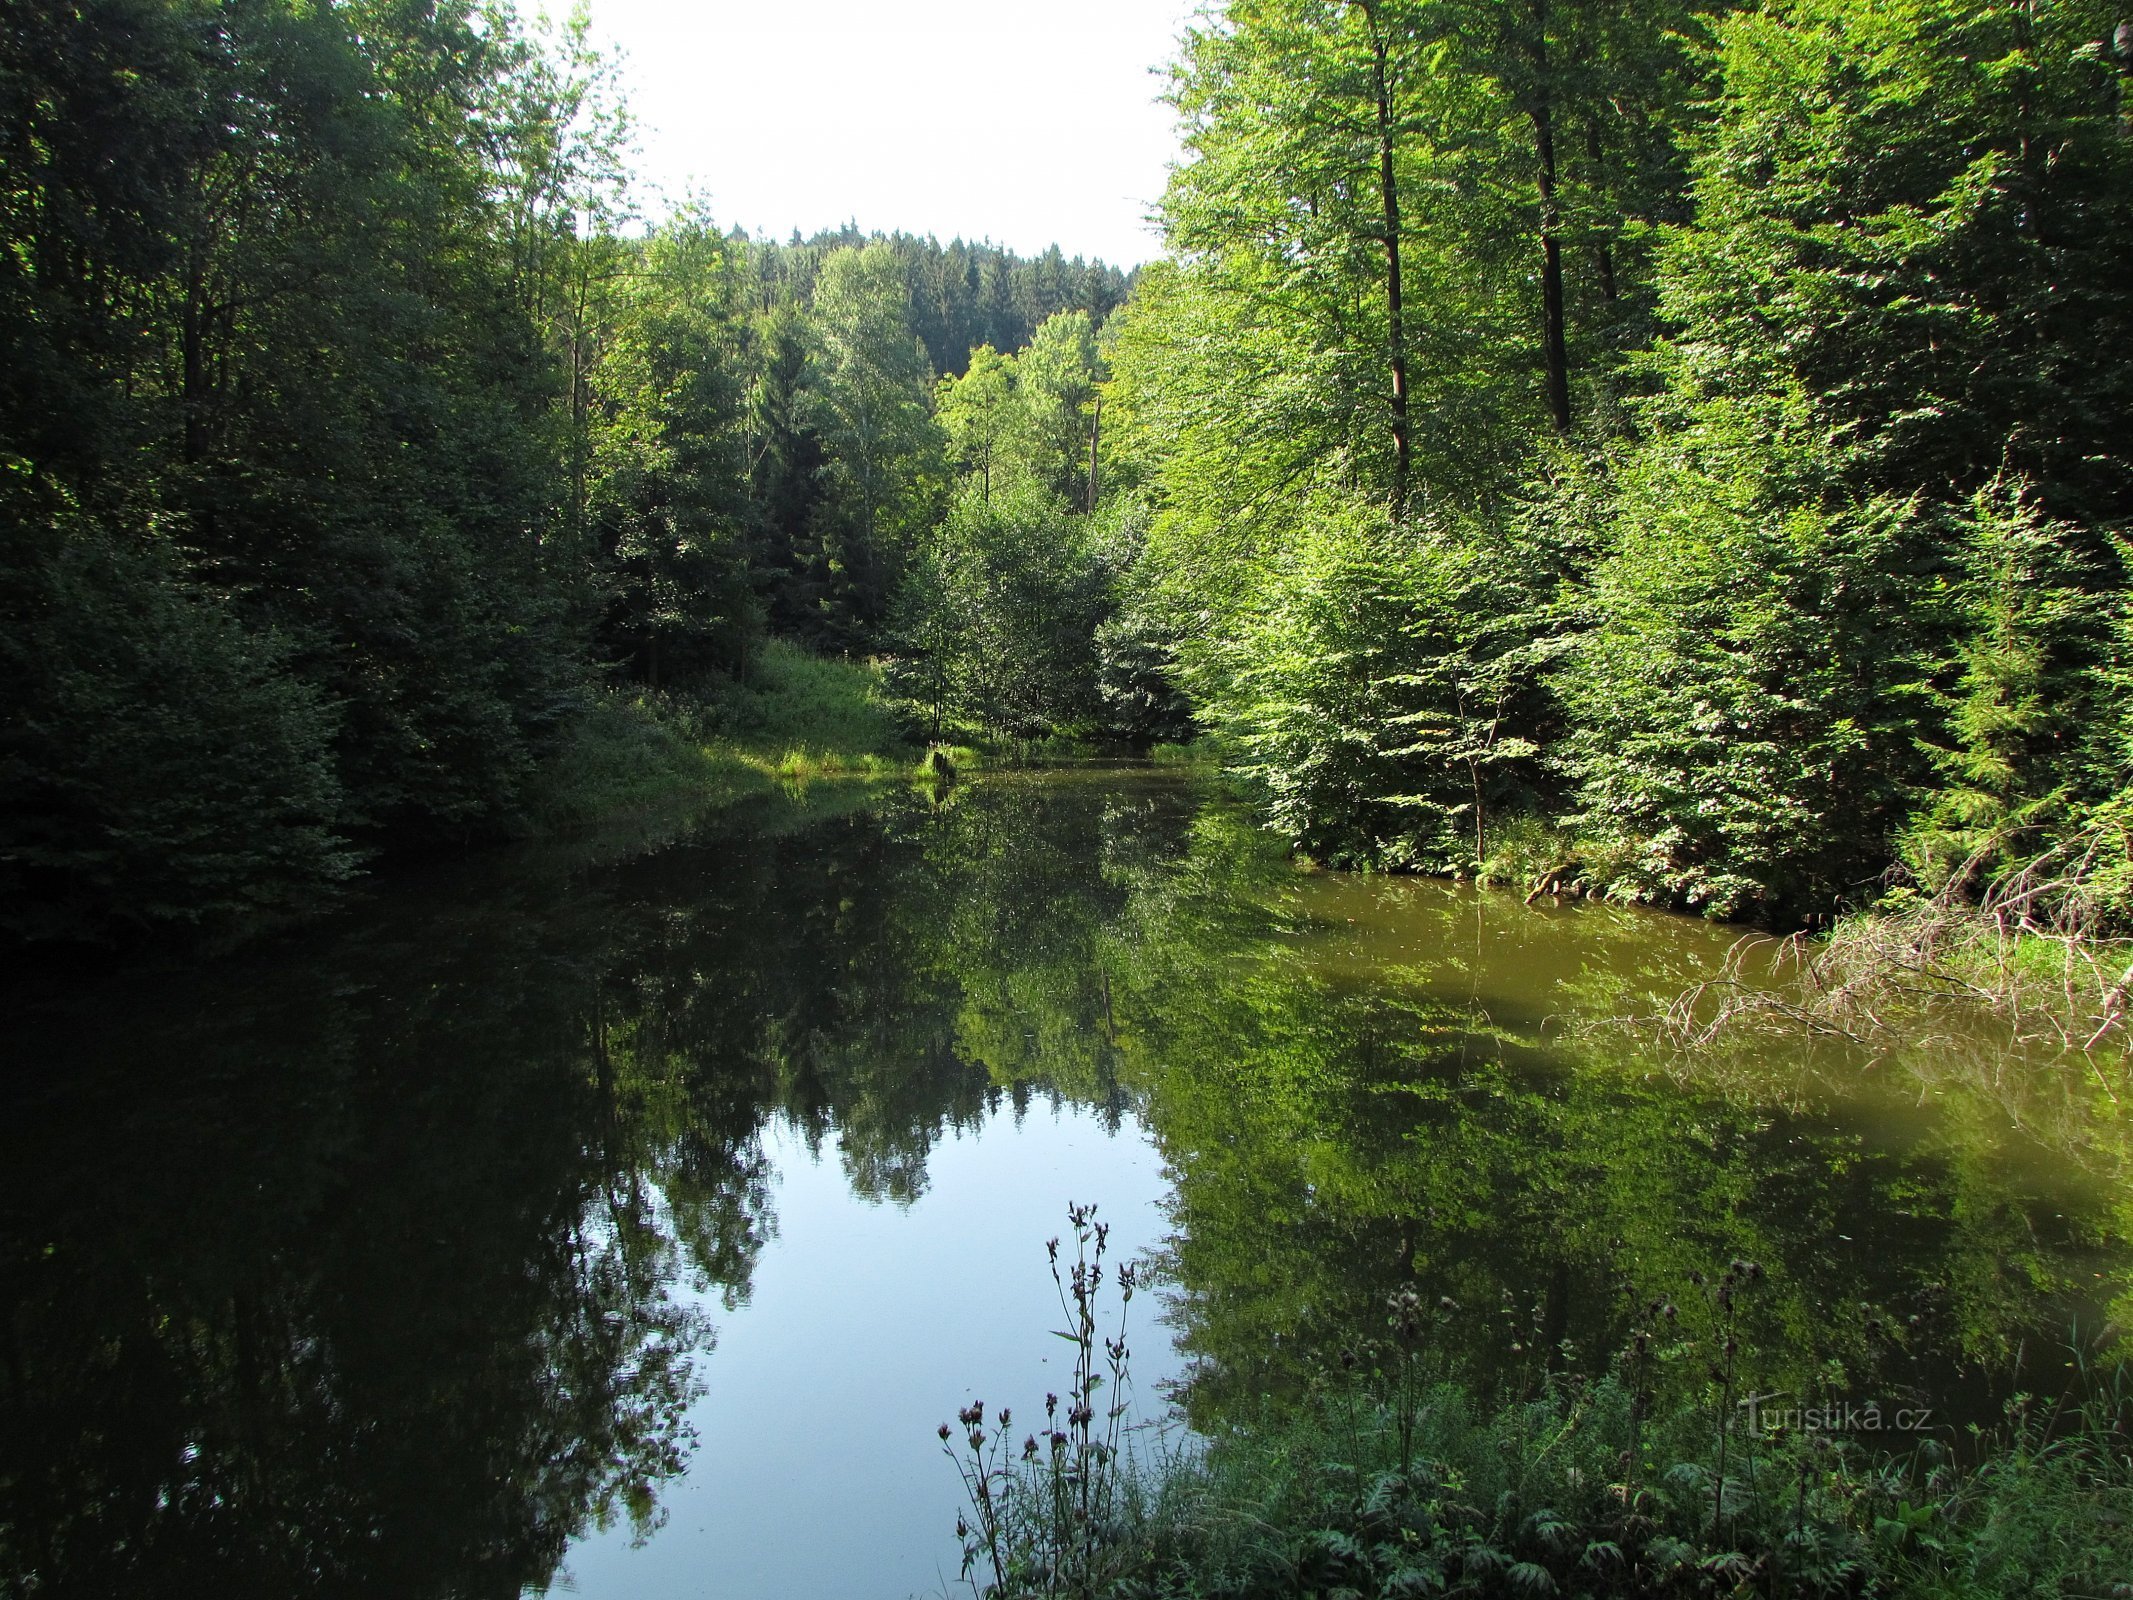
{"points": [[622, 1221]]}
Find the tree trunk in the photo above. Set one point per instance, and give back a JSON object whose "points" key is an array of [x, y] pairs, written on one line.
{"points": [[1096, 432], [1603, 254], [1395, 317], [1481, 842], [1555, 353]]}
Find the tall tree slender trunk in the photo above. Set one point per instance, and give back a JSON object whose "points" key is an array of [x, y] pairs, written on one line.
{"points": [[1603, 252], [1096, 432], [1555, 353], [1395, 316]]}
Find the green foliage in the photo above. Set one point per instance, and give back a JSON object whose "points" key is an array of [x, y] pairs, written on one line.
{"points": [[792, 699], [977, 411], [1028, 417], [158, 763], [1918, 213], [1743, 726], [1136, 673], [1000, 613], [1382, 694], [333, 347], [668, 510], [1524, 849], [2021, 703], [1830, 314], [1825, 495], [868, 396], [1055, 392], [1574, 1491]]}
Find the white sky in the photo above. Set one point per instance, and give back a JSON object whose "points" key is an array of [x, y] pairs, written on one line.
{"points": [[1028, 122]]}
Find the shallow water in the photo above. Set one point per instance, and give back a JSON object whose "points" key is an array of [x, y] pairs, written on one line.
{"points": [[624, 1227]]}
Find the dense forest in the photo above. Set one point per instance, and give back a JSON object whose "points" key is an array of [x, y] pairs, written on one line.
{"points": [[1701, 427], [356, 430], [1679, 449]]}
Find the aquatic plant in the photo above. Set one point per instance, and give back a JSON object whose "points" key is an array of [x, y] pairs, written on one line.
{"points": [[2032, 967]]}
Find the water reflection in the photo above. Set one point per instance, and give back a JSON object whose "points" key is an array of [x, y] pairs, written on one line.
{"points": [[394, 1259], [373, 1263], [1364, 1083]]}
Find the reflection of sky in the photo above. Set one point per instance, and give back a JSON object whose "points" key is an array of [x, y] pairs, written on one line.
{"points": [[817, 1470]]}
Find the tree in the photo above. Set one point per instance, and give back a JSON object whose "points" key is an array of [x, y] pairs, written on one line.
{"points": [[1000, 613], [1055, 394], [977, 411], [1921, 214], [670, 509], [2025, 701], [868, 398], [1743, 705]]}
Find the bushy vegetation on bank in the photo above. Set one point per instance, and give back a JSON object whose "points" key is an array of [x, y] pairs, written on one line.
{"points": [[799, 716], [1572, 1492]]}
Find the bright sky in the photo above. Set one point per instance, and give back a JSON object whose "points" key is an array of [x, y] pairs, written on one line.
{"points": [[1028, 122]]}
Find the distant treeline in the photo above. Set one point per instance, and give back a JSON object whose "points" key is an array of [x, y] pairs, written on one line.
{"points": [[352, 429], [962, 295]]}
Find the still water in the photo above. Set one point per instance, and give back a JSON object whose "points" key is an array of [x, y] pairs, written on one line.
{"points": [[620, 1220]]}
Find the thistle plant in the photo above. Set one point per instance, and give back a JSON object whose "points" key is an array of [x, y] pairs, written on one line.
{"points": [[1047, 1519], [1724, 1371]]}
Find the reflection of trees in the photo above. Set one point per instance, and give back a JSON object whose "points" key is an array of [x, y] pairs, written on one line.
{"points": [[321, 1294], [357, 1268], [1333, 1138], [354, 1268]]}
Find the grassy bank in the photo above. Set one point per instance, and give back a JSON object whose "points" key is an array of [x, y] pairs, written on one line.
{"points": [[799, 718], [1574, 1492]]}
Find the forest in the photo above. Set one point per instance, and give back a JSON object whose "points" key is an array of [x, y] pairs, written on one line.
{"points": [[1673, 451]]}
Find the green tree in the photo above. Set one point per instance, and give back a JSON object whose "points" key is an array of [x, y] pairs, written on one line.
{"points": [[1920, 214], [2025, 699], [1056, 378], [977, 411], [869, 396], [1743, 705], [670, 508], [1001, 612]]}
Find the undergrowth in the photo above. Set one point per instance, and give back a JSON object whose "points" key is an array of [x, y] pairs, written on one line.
{"points": [[2033, 962], [1393, 1480]]}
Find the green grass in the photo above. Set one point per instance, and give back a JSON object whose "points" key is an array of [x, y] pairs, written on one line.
{"points": [[822, 716], [1521, 850], [799, 719], [1200, 753]]}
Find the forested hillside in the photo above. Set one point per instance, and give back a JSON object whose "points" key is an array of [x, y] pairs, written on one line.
{"points": [[1677, 450], [356, 426]]}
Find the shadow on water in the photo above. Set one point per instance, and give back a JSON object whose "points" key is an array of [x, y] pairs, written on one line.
{"points": [[378, 1260]]}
